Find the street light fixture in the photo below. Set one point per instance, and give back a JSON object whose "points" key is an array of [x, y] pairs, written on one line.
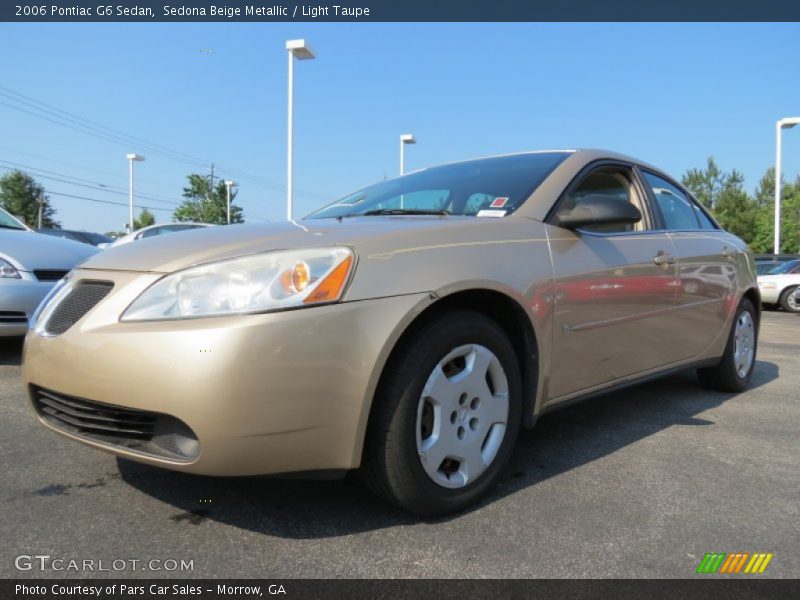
{"points": [[228, 185], [131, 158], [300, 50], [787, 123], [406, 138]]}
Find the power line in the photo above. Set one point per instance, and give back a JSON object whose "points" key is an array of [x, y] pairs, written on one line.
{"points": [[52, 193], [92, 128], [97, 128], [249, 214], [79, 167], [88, 183]]}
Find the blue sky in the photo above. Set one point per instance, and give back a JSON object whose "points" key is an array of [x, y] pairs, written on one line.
{"points": [[671, 94]]}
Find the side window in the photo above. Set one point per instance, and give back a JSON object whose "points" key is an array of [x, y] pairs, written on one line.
{"points": [[152, 232], [705, 222], [676, 208], [608, 181]]}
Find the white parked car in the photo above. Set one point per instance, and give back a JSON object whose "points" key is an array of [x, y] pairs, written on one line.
{"points": [[779, 286], [152, 231], [30, 265]]}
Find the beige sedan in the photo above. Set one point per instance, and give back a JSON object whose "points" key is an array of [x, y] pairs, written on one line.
{"points": [[409, 329]]}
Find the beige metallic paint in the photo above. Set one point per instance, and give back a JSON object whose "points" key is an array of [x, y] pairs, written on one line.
{"points": [[292, 391]]}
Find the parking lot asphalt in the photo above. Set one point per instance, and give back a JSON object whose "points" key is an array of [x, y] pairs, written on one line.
{"points": [[640, 483]]}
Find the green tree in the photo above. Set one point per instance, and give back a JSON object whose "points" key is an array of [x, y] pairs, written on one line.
{"points": [[20, 195], [706, 184], [736, 212], [763, 240], [201, 207], [765, 191], [146, 218], [724, 195]]}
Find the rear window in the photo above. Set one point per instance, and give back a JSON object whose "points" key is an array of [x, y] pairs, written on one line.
{"points": [[499, 184], [677, 209]]}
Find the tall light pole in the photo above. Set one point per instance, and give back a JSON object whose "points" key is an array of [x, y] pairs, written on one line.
{"points": [[406, 138], [787, 123], [131, 158], [300, 50], [228, 185]]}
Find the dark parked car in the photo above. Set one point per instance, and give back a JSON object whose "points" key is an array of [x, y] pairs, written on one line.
{"points": [[85, 237]]}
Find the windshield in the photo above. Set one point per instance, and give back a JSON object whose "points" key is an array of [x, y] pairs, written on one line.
{"points": [[484, 187], [785, 267], [9, 222]]}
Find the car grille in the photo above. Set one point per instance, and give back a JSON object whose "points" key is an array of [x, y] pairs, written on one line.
{"points": [[140, 431], [83, 297], [92, 417], [12, 316], [49, 275]]}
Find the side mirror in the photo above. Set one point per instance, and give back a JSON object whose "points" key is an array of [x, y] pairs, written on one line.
{"points": [[599, 209]]}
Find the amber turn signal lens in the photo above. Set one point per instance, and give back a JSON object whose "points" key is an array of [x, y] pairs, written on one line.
{"points": [[296, 279], [330, 288]]}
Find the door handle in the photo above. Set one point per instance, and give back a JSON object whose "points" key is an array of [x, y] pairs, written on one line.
{"points": [[664, 259]]}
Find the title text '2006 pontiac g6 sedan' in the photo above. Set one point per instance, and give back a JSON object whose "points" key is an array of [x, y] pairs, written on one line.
{"points": [[409, 329]]}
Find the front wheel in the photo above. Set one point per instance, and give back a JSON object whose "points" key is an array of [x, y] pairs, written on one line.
{"points": [[735, 368], [447, 415], [788, 300]]}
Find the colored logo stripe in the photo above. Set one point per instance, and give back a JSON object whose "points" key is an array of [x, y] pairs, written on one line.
{"points": [[734, 563], [711, 562], [758, 564], [722, 562]]}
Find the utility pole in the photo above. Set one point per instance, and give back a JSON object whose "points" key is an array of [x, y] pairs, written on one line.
{"points": [[41, 202], [210, 190], [228, 185]]}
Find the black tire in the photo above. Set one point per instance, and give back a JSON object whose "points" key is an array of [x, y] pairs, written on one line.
{"points": [[724, 376], [786, 299], [391, 465]]}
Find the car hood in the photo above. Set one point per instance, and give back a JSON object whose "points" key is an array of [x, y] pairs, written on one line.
{"points": [[165, 254], [28, 251]]}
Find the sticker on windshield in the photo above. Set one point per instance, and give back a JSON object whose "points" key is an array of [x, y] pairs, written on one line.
{"points": [[491, 213], [498, 203]]}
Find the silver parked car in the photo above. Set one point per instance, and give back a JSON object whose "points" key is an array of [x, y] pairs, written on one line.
{"points": [[153, 231], [30, 264]]}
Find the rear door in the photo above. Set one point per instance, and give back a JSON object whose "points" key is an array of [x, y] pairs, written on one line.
{"points": [[707, 258], [614, 288]]}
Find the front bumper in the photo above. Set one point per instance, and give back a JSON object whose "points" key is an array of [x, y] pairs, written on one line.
{"points": [[19, 299], [270, 393]]}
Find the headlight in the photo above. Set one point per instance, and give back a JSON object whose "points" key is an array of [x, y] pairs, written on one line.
{"points": [[256, 283], [8, 271]]}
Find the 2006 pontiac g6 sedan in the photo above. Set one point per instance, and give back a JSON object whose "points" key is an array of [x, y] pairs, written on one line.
{"points": [[409, 329]]}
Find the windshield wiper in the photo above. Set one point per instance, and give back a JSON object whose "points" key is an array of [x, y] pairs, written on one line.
{"points": [[400, 211], [4, 226]]}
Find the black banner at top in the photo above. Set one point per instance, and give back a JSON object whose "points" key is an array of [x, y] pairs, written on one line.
{"points": [[150, 11]]}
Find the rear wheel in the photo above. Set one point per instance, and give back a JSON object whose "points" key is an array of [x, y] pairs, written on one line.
{"points": [[446, 417], [789, 301], [734, 370]]}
